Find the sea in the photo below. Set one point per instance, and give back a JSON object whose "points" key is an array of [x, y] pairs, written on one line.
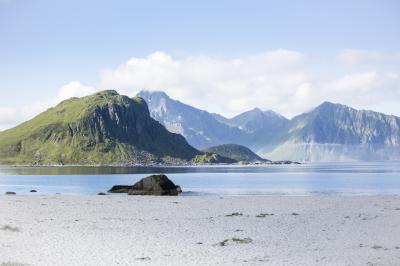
{"points": [[308, 179]]}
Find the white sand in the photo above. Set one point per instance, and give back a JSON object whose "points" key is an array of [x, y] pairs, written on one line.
{"points": [[132, 230]]}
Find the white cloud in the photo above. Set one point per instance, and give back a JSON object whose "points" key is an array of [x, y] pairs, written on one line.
{"points": [[358, 81], [10, 117], [73, 89], [288, 82], [7, 115], [226, 86], [358, 56], [351, 56]]}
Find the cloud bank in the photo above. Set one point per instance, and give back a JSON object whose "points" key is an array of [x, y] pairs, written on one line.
{"points": [[286, 81], [289, 82], [10, 117]]}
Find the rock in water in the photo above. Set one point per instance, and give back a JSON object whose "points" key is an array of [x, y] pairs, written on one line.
{"points": [[10, 193], [158, 185], [120, 189]]}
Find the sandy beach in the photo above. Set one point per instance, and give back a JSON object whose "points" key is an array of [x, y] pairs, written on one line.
{"points": [[199, 230]]}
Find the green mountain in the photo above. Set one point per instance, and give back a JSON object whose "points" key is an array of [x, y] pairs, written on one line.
{"points": [[235, 152], [212, 158], [103, 128]]}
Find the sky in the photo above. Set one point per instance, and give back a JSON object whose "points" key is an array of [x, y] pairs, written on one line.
{"points": [[223, 56]]}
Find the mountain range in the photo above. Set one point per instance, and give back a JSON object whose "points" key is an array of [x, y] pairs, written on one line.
{"points": [[107, 128], [329, 132]]}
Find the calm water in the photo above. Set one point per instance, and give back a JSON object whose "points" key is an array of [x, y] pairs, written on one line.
{"points": [[378, 178]]}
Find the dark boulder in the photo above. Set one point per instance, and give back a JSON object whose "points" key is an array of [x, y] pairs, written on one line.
{"points": [[10, 193], [120, 189], [33, 191], [101, 194], [158, 185]]}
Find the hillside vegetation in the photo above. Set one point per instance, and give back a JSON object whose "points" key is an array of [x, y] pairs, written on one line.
{"points": [[103, 128], [235, 152]]}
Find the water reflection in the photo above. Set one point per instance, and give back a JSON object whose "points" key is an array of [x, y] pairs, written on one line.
{"points": [[358, 167]]}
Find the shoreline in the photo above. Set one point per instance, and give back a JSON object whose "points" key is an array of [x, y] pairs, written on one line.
{"points": [[200, 230], [155, 165], [192, 165]]}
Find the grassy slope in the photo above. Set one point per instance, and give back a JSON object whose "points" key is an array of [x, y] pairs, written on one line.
{"points": [[212, 158], [235, 152], [64, 135]]}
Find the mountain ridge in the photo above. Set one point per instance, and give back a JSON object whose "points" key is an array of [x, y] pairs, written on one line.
{"points": [[198, 126], [328, 132]]}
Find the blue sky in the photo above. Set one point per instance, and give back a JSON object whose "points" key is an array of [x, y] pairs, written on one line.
{"points": [[47, 44]]}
